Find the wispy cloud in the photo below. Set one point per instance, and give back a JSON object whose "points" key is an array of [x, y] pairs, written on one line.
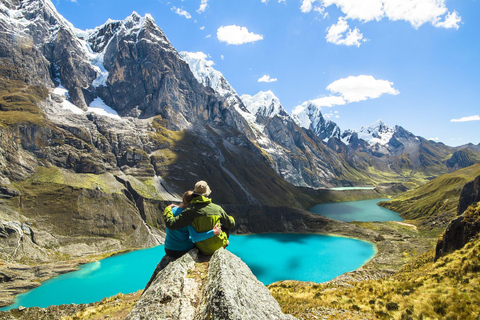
{"points": [[181, 12], [451, 21], [465, 119], [328, 101], [266, 78], [416, 12], [341, 34], [363, 87], [237, 35], [203, 6], [350, 89]]}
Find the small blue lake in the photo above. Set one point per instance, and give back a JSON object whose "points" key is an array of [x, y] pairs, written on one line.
{"points": [[363, 210], [271, 257]]}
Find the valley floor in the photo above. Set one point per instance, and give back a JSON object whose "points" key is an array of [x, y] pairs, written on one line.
{"points": [[396, 243]]}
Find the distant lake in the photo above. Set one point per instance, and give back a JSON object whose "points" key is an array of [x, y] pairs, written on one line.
{"points": [[363, 210], [351, 188], [271, 257]]}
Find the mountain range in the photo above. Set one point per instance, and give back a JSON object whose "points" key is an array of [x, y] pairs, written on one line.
{"points": [[117, 114]]}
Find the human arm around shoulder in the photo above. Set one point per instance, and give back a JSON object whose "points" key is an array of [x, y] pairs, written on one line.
{"points": [[199, 236], [183, 220]]}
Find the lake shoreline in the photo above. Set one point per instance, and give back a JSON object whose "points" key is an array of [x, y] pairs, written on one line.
{"points": [[388, 256]]}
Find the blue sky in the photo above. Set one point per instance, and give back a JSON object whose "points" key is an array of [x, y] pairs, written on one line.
{"points": [[411, 63]]}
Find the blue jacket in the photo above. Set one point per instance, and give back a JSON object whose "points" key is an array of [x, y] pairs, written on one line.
{"points": [[202, 214], [183, 239]]}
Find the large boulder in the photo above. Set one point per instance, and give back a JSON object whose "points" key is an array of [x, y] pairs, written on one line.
{"points": [[195, 287]]}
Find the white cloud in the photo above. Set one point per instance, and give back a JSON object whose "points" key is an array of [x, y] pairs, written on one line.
{"points": [[434, 139], [348, 90], [328, 101], [264, 1], [365, 10], [416, 12], [307, 5], [451, 21], [336, 34], [202, 28], [203, 6], [181, 12], [266, 78], [237, 35], [208, 36], [465, 119], [363, 87]]}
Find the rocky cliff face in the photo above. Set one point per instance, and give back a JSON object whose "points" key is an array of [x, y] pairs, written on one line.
{"points": [[461, 159], [467, 226], [104, 173], [192, 287]]}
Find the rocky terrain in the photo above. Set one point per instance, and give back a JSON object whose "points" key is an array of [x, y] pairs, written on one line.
{"points": [[437, 284], [99, 130]]}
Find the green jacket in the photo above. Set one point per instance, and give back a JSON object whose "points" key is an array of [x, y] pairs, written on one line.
{"points": [[203, 215]]}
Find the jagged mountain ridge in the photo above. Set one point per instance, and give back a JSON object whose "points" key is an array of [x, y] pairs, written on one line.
{"points": [[55, 151], [298, 155], [394, 152], [171, 131]]}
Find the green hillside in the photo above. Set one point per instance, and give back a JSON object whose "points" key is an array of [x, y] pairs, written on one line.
{"points": [[435, 203], [446, 289]]}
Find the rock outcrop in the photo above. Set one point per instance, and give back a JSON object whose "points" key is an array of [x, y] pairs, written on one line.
{"points": [[470, 194], [465, 227], [195, 287], [461, 159]]}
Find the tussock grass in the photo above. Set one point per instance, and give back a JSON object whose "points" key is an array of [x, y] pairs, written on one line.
{"points": [[446, 289], [114, 308]]}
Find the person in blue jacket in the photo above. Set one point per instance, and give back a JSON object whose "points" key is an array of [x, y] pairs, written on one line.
{"points": [[180, 241]]}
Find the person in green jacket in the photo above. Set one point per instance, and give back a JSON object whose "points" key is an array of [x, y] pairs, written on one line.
{"points": [[203, 215]]}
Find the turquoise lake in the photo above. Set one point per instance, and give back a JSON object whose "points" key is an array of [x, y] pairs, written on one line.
{"points": [[271, 257], [363, 210]]}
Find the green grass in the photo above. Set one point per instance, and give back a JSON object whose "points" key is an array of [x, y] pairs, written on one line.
{"points": [[423, 289], [52, 175], [438, 197], [18, 101]]}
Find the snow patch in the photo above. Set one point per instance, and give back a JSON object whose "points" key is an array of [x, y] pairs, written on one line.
{"points": [[99, 107], [67, 105], [301, 117]]}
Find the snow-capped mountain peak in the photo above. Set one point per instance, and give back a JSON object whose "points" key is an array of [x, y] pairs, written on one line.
{"points": [[309, 116], [205, 74], [377, 132], [264, 104]]}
